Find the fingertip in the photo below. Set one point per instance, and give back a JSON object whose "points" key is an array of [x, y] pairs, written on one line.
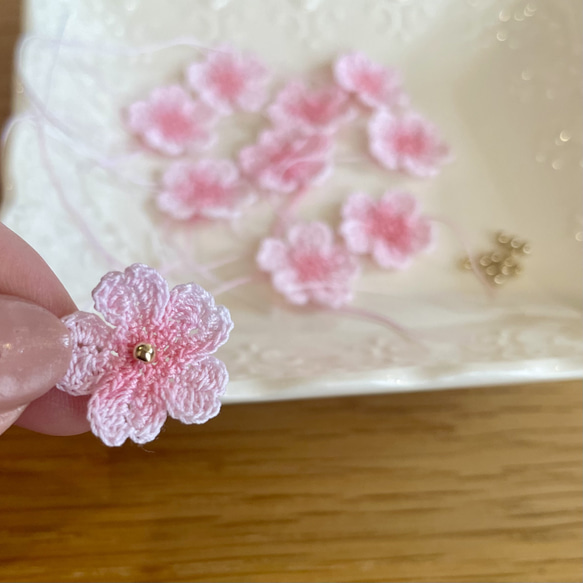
{"points": [[56, 413]]}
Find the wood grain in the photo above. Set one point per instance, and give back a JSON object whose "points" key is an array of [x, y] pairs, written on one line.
{"points": [[467, 485]]}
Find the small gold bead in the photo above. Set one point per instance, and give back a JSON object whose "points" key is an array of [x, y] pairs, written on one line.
{"points": [[503, 238], [505, 270], [509, 262], [485, 261], [467, 264], [516, 243], [526, 249], [496, 257], [499, 279], [492, 270], [145, 352]]}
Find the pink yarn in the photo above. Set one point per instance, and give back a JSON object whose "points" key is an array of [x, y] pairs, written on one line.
{"points": [[308, 266], [373, 84], [392, 229], [208, 188], [311, 110], [131, 398], [407, 142], [229, 80], [171, 122], [287, 160]]}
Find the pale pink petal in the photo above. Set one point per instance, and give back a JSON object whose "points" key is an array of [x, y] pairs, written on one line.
{"points": [[229, 80], [132, 299], [392, 229], [356, 236], [171, 122], [92, 344], [315, 236], [407, 142], [358, 206], [206, 188], [192, 314], [126, 408], [309, 267], [194, 396], [285, 281], [374, 85], [287, 160], [390, 256], [271, 255], [399, 202], [311, 110]]}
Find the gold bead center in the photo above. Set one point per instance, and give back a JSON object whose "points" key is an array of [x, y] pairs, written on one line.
{"points": [[145, 352]]}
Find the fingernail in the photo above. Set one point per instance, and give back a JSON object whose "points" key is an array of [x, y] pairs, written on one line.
{"points": [[35, 351]]}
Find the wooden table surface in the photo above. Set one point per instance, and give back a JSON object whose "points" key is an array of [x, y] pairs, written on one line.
{"points": [[465, 485]]}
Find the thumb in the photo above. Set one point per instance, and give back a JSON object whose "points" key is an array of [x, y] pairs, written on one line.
{"points": [[35, 350]]}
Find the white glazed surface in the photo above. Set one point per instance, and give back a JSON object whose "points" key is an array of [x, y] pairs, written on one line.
{"points": [[502, 79]]}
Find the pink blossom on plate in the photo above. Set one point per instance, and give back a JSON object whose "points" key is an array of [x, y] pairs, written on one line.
{"points": [[407, 142], [171, 122], [208, 188], [392, 229], [229, 80], [373, 84], [287, 160], [308, 266], [311, 110], [132, 393]]}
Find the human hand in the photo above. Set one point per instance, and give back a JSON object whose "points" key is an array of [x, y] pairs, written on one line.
{"points": [[34, 345]]}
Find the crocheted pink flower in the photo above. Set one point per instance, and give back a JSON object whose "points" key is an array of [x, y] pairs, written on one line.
{"points": [[171, 122], [208, 188], [287, 160], [228, 80], [151, 358], [407, 142], [373, 84], [392, 229], [309, 267], [311, 110]]}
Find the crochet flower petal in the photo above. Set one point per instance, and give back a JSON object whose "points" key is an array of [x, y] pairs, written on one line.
{"points": [[311, 110], [91, 340], [228, 80], [132, 299], [192, 314], [126, 408], [207, 188], [312, 236], [271, 255], [194, 396], [408, 143], [374, 85], [170, 121]]}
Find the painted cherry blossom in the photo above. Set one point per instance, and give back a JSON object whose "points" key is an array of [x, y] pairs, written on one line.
{"points": [[171, 122], [286, 160], [308, 266], [373, 84], [311, 110], [229, 80], [392, 229], [151, 356], [208, 189], [408, 142]]}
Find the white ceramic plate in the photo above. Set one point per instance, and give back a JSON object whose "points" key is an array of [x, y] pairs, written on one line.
{"points": [[501, 78]]}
